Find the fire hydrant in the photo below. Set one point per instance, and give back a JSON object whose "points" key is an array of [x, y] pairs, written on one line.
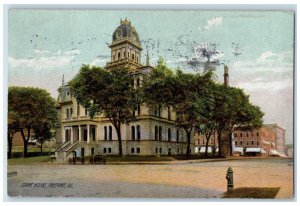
{"points": [[229, 177]]}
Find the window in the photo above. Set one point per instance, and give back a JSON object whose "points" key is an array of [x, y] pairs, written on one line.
{"points": [[124, 54], [138, 131], [247, 134], [71, 112], [169, 135], [160, 133], [67, 135], [235, 134], [139, 110], [247, 143], [132, 150], [156, 133], [156, 150], [104, 150], [67, 112], [257, 133], [138, 150], [169, 113], [78, 110], [177, 136], [235, 143], [93, 133], [119, 55], [109, 150], [132, 56], [92, 151], [105, 132], [241, 134], [137, 59], [132, 133], [241, 142], [114, 58], [160, 150], [110, 133]]}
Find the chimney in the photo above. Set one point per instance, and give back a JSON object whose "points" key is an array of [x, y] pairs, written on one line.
{"points": [[226, 76]]}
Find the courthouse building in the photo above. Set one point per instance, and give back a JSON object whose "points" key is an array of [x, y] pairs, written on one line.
{"points": [[154, 132]]}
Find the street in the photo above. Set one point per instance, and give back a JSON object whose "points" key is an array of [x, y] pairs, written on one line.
{"points": [[176, 180]]}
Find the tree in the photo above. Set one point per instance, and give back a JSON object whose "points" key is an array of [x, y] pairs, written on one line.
{"points": [[12, 128], [232, 109], [181, 91], [30, 109], [108, 92], [42, 134]]}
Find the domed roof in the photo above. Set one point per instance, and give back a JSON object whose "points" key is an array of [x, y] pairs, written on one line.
{"points": [[125, 30]]}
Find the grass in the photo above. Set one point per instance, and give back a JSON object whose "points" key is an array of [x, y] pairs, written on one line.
{"points": [[32, 149], [29, 160], [253, 192]]}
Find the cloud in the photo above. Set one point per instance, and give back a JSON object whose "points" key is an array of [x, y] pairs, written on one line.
{"points": [[99, 62], [217, 21], [271, 86], [57, 59]]}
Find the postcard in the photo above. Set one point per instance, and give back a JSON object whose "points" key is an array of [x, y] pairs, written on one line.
{"points": [[150, 103]]}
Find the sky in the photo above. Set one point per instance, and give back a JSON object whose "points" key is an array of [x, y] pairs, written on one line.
{"points": [[44, 45]]}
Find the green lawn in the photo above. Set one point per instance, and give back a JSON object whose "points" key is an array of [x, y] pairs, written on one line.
{"points": [[32, 149], [253, 192], [29, 160]]}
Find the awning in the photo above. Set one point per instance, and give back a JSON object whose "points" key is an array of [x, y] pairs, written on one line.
{"points": [[238, 149], [255, 149], [202, 150], [274, 152]]}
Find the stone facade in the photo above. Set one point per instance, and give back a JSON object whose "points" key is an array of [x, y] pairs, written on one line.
{"points": [[153, 133]]}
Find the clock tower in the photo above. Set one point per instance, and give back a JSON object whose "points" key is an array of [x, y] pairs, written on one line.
{"points": [[126, 47]]}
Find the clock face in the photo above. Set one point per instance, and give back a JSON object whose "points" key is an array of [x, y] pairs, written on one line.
{"points": [[119, 33]]}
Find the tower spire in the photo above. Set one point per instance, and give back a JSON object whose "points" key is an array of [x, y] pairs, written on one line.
{"points": [[226, 75]]}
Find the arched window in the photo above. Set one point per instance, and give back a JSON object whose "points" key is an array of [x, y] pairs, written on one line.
{"points": [[138, 132], [104, 150], [105, 132], [110, 133], [252, 142], [156, 133], [177, 136], [241, 142], [160, 133], [67, 135], [169, 135], [132, 133]]}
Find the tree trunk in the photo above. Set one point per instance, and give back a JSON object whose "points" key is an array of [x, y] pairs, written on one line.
{"points": [[25, 142], [206, 147], [188, 135], [230, 143], [219, 143], [118, 129], [9, 139]]}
